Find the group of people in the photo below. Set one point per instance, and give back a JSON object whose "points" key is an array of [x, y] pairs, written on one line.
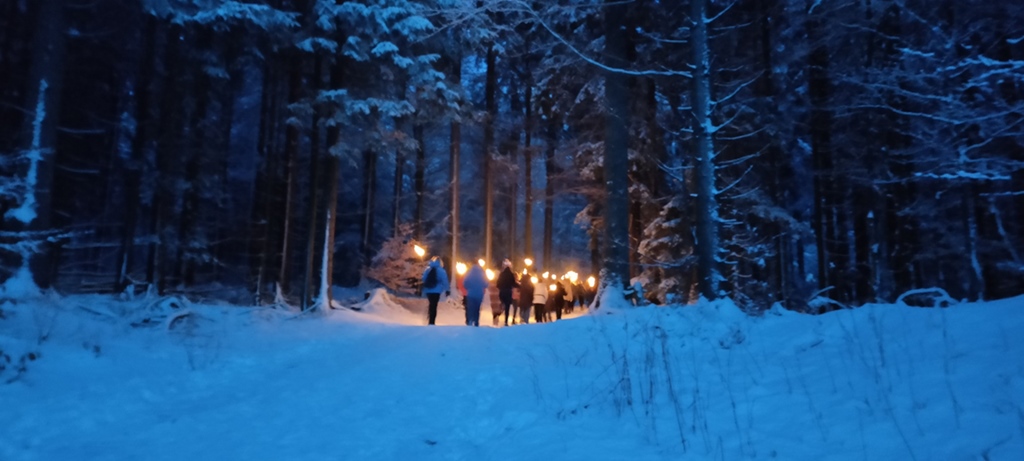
{"points": [[514, 296]]}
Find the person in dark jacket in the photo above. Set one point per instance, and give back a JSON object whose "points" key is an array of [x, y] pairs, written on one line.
{"points": [[434, 283], [559, 301], [579, 294], [506, 283], [525, 299]]}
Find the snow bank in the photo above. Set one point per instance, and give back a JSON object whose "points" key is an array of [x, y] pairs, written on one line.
{"points": [[695, 382]]}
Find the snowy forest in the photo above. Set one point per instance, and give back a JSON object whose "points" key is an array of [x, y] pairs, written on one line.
{"points": [[815, 154]]}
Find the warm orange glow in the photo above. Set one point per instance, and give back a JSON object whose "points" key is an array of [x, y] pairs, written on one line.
{"points": [[419, 250], [573, 276], [460, 268], [546, 275], [552, 287], [591, 281], [528, 262], [490, 274], [534, 280], [524, 271], [481, 263]]}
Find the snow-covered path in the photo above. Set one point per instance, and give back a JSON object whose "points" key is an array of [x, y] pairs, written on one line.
{"points": [[306, 388], [882, 382]]}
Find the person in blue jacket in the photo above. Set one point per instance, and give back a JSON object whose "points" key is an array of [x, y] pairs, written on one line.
{"points": [[435, 282], [476, 285]]}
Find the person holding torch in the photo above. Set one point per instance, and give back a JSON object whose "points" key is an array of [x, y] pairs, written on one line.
{"points": [[434, 282]]}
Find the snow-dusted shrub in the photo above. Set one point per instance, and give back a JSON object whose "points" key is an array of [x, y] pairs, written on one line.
{"points": [[397, 266]]}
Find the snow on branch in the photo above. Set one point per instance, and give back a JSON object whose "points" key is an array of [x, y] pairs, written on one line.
{"points": [[526, 9], [232, 13], [314, 44], [965, 175]]}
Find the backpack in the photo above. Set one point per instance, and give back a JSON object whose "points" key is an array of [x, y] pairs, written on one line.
{"points": [[431, 280]]}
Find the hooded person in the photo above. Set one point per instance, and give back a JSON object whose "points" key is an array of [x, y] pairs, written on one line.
{"points": [[506, 283], [476, 285], [434, 282]]}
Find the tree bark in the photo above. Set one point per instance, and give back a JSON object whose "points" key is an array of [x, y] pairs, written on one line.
{"points": [[419, 177], [312, 242], [528, 169], [708, 273], [135, 166], [616, 149], [821, 135], [396, 205], [265, 181], [549, 190], [454, 150], [292, 147], [369, 199], [492, 112], [168, 150], [333, 172], [39, 129]]}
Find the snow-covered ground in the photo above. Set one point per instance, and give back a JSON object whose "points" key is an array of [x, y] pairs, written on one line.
{"points": [[156, 380]]}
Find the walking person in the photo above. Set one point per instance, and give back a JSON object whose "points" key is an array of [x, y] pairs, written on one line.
{"points": [[506, 283], [569, 298], [526, 288], [476, 286], [540, 298], [558, 301], [579, 294], [434, 282]]}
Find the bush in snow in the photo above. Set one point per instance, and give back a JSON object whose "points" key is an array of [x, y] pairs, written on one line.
{"points": [[397, 263]]}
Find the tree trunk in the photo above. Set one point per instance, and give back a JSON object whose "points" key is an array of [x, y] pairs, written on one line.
{"points": [[454, 149], [135, 167], [418, 180], [396, 205], [267, 180], [369, 199], [292, 146], [39, 132], [549, 190], [821, 134], [168, 150], [528, 169], [312, 242], [332, 176], [190, 247], [707, 205], [616, 149], [492, 113]]}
